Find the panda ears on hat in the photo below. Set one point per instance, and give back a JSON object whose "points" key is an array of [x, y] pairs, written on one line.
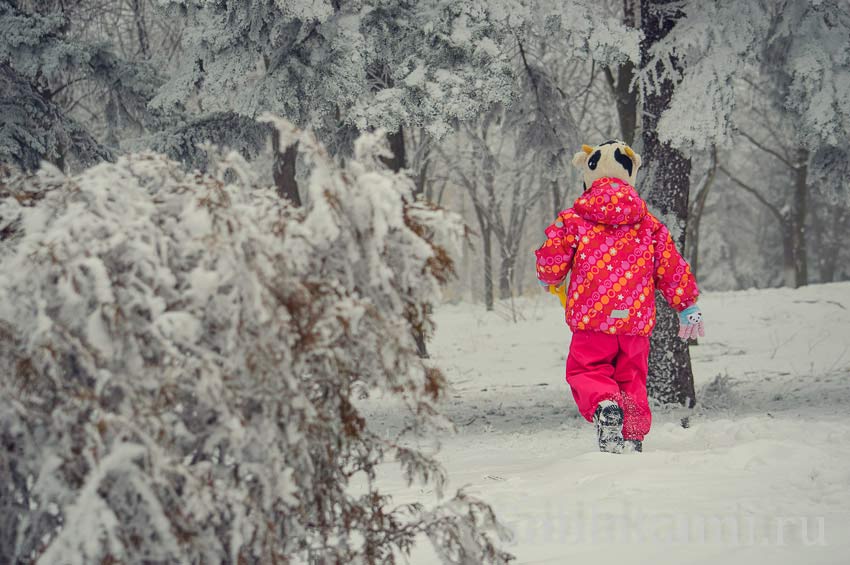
{"points": [[580, 158], [633, 156]]}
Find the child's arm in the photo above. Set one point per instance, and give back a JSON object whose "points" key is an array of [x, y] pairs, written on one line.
{"points": [[555, 257], [672, 273], [674, 279]]}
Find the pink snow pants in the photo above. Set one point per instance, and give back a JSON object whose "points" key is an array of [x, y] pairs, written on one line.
{"points": [[601, 367]]}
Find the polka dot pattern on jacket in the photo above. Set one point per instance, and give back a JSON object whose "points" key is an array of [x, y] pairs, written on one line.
{"points": [[618, 254]]}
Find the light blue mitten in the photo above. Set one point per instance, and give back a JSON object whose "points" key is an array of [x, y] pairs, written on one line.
{"points": [[690, 323]]}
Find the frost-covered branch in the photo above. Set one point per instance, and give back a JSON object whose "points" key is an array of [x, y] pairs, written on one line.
{"points": [[775, 210], [36, 129], [769, 150]]}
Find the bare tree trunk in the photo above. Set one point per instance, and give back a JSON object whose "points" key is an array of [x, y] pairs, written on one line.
{"points": [[671, 378], [141, 28], [420, 181], [789, 269], [284, 170], [625, 98], [829, 243], [798, 220], [728, 253], [505, 271], [556, 198], [695, 212], [521, 201], [399, 158], [488, 265]]}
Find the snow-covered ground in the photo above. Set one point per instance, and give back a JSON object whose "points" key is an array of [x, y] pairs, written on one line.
{"points": [[761, 475]]}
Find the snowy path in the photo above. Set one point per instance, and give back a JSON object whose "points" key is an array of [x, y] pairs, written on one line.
{"points": [[762, 475]]}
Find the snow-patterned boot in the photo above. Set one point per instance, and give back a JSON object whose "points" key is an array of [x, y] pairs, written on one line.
{"points": [[632, 446], [609, 426]]}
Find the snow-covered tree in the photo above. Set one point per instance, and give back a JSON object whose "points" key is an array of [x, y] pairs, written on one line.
{"points": [[515, 154], [35, 128], [798, 43], [39, 62], [184, 353], [666, 188], [342, 67], [332, 64], [498, 176], [139, 35], [700, 60], [791, 54], [560, 101]]}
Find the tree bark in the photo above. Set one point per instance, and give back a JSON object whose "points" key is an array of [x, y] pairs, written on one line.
{"points": [[798, 221], [488, 259], [421, 180], [671, 378], [399, 159], [626, 102], [625, 97], [284, 170], [141, 28], [506, 270], [793, 238], [488, 270], [487, 248], [829, 243], [789, 269], [556, 198], [696, 209]]}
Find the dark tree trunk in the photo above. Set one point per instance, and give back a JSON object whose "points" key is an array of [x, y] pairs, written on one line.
{"points": [[557, 191], [792, 225], [818, 236], [506, 268], [420, 182], [488, 266], [625, 98], [284, 170], [626, 102], [695, 213], [141, 28], [671, 378], [798, 221], [556, 198], [727, 252], [399, 158], [829, 244], [789, 269]]}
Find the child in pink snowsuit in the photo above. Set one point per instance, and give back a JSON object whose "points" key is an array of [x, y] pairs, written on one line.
{"points": [[619, 254]]}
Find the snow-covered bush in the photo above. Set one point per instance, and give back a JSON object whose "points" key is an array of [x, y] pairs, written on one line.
{"points": [[181, 358]]}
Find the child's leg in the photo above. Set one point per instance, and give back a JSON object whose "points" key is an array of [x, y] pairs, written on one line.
{"points": [[630, 369], [590, 370]]}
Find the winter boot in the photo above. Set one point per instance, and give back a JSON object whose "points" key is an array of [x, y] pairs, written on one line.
{"points": [[632, 446], [609, 426]]}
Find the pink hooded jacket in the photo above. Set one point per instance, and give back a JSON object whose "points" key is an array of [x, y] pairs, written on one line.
{"points": [[619, 254]]}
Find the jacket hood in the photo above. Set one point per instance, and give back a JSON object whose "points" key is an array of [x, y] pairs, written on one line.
{"points": [[611, 201]]}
